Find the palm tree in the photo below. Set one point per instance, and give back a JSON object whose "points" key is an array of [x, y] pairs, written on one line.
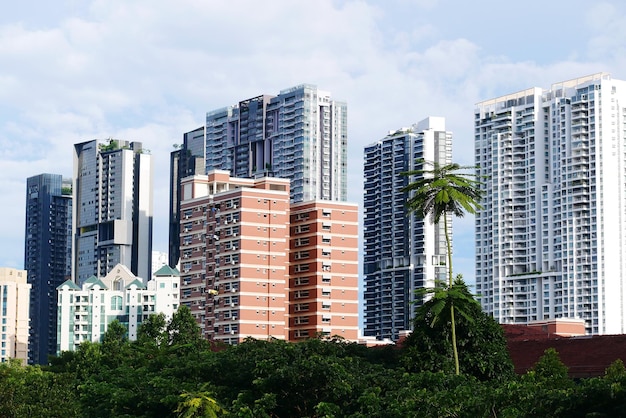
{"points": [[438, 192]]}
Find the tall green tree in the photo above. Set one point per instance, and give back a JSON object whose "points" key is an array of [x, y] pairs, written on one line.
{"points": [[437, 192], [484, 353]]}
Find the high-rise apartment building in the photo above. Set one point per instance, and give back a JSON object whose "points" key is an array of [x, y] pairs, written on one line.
{"points": [[14, 304], [550, 239], [112, 215], [300, 134], [235, 252], [254, 265], [401, 253], [187, 160], [86, 311], [47, 257], [323, 270]]}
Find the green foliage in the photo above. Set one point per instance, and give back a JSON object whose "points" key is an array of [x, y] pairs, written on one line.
{"points": [[198, 404], [550, 368], [483, 352], [111, 146], [443, 190], [158, 377], [28, 391], [183, 331]]}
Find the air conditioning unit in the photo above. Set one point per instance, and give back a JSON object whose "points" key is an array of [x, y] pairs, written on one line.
{"points": [[233, 290], [232, 305], [234, 234], [232, 333], [233, 318], [233, 263]]}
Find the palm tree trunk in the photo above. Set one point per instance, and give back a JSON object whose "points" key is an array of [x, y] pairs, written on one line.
{"points": [[455, 351]]}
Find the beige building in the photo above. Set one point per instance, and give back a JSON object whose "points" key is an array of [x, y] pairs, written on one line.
{"points": [[241, 248], [14, 314]]}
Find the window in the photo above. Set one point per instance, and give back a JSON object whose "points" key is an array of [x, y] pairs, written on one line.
{"points": [[299, 294], [302, 241], [301, 307], [301, 254], [301, 333], [301, 281], [301, 320], [302, 229], [302, 267], [116, 303]]}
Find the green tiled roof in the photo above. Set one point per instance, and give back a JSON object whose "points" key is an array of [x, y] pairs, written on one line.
{"points": [[96, 282], [91, 279], [70, 284], [167, 271], [137, 283]]}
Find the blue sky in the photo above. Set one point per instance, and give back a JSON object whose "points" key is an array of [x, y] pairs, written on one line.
{"points": [[149, 70]]}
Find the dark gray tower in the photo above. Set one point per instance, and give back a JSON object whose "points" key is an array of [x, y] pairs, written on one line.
{"points": [[47, 257]]}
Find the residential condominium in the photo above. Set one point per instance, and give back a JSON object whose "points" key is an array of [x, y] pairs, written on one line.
{"points": [[323, 270], [14, 304], [300, 134], [402, 252], [247, 270], [112, 215], [187, 160], [86, 311], [550, 238], [47, 257]]}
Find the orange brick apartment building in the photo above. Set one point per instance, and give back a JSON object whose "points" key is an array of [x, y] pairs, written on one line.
{"points": [[254, 265]]}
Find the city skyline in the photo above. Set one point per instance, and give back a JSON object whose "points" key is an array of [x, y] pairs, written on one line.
{"points": [[149, 73]]}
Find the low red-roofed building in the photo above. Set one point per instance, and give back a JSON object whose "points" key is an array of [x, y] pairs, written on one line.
{"points": [[585, 356]]}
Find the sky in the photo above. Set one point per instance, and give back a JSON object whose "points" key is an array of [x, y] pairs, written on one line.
{"points": [[149, 70]]}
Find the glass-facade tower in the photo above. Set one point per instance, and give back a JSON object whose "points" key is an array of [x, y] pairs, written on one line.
{"points": [[47, 257], [401, 253]]}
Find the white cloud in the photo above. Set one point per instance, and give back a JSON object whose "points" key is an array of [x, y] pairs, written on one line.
{"points": [[149, 70]]}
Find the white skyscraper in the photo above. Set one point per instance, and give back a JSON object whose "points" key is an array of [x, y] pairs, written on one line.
{"points": [[112, 213], [401, 253], [551, 237]]}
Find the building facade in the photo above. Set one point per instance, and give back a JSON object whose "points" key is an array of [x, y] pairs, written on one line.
{"points": [[401, 253], [112, 214], [549, 240], [300, 134], [323, 270], [187, 160], [47, 257], [14, 315], [84, 312], [240, 274], [234, 248]]}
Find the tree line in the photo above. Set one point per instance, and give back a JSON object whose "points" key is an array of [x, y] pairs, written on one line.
{"points": [[171, 371]]}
